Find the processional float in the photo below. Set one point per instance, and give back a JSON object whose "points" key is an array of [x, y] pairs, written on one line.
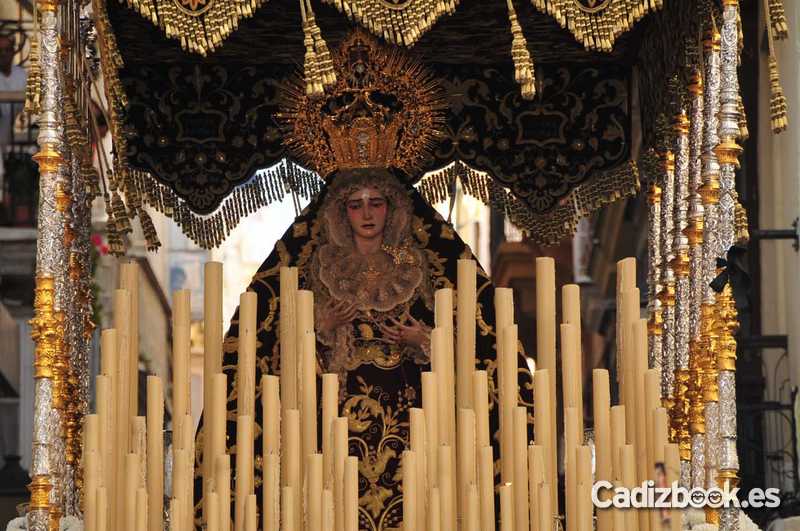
{"points": [[694, 123]]}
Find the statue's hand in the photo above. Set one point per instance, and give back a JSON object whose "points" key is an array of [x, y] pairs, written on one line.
{"points": [[335, 314], [413, 334]]}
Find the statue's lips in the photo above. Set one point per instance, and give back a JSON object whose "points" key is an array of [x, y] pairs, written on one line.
{"points": [[368, 226]]}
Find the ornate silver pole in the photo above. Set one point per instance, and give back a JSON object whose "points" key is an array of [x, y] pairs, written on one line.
{"points": [[654, 273], [667, 295], [680, 267], [47, 324], [728, 152], [694, 232], [709, 193]]}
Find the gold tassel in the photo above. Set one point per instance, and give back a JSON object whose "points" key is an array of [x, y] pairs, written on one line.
{"points": [[324, 61], [314, 87], [523, 64], [744, 132], [741, 224], [777, 18], [123, 224], [777, 101], [33, 87], [149, 230]]}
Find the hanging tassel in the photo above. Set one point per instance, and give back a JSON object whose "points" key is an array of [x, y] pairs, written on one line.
{"points": [[324, 61], [311, 72], [33, 86], [523, 64], [744, 132], [123, 223], [777, 17], [741, 224], [149, 230], [777, 101]]}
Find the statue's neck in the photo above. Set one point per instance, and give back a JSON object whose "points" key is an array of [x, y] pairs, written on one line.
{"points": [[367, 246]]}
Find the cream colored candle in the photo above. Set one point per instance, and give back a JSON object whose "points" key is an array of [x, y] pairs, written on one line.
{"points": [[188, 493], [246, 369], [571, 315], [288, 514], [652, 401], [628, 463], [660, 429], [601, 403], [102, 509], [288, 336], [122, 310], [447, 488], [520, 485], [430, 404], [503, 308], [105, 412], [270, 492], [141, 509], [481, 407], [328, 518], [181, 386], [212, 516], [443, 367], [546, 337], [626, 281], [435, 511], [619, 516], [222, 486], [250, 513], [244, 467], [176, 522], [155, 453], [572, 438], [672, 467], [472, 509], [314, 491], [340, 435], [417, 440], [584, 487], [351, 494], [131, 486], [139, 446], [129, 280], [443, 308], [212, 360], [270, 405], [546, 508], [180, 482], [291, 452], [410, 488], [630, 314], [217, 417], [642, 415], [308, 389], [535, 481], [509, 391], [330, 410], [486, 487], [506, 508], [91, 482], [465, 329], [618, 439], [572, 371], [542, 425], [466, 457]]}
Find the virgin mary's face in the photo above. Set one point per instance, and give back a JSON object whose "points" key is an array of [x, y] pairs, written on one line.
{"points": [[366, 211]]}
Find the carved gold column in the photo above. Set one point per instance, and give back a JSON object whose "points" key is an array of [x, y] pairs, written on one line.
{"points": [[728, 152], [694, 233], [47, 324]]}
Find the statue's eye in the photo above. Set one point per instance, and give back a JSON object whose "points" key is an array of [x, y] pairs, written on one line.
{"points": [[353, 205]]}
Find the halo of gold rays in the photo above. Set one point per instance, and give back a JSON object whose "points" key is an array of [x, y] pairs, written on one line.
{"points": [[410, 130]]}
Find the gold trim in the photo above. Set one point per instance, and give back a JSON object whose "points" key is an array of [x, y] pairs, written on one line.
{"points": [[40, 488]]}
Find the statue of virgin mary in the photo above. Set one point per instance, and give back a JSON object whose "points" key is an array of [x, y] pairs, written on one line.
{"points": [[373, 252]]}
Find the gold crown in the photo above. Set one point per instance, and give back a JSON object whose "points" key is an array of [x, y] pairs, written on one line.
{"points": [[385, 110]]}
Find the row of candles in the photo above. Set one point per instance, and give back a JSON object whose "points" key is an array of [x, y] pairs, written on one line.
{"points": [[123, 455], [448, 468]]}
